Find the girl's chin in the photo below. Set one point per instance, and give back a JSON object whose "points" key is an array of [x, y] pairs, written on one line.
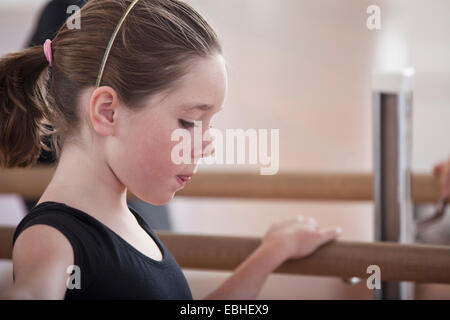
{"points": [[163, 196], [159, 200]]}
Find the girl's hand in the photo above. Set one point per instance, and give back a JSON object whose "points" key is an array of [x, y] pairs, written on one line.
{"points": [[442, 170], [299, 237]]}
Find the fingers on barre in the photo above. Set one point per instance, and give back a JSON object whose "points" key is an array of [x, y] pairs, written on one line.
{"points": [[330, 233]]}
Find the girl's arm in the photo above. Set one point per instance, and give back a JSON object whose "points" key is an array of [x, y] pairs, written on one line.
{"points": [[295, 238], [41, 255], [249, 277]]}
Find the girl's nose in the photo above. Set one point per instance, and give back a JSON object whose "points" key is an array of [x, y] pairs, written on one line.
{"points": [[207, 150]]}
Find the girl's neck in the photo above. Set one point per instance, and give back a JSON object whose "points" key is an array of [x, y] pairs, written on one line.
{"points": [[84, 180]]}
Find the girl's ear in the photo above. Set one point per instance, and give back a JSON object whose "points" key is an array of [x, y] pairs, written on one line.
{"points": [[103, 110]]}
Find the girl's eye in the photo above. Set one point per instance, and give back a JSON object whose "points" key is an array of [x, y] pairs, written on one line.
{"points": [[186, 124]]}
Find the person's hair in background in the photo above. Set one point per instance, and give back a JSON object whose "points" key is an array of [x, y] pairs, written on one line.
{"points": [[152, 50], [51, 19]]}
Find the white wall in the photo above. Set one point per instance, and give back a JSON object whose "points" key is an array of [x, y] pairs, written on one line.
{"points": [[416, 33]]}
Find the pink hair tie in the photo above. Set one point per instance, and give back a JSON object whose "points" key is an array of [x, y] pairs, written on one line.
{"points": [[48, 51]]}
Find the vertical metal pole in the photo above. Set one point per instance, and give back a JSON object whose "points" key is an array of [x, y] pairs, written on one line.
{"points": [[392, 98]]}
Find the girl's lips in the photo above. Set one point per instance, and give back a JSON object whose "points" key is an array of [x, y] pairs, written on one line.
{"points": [[183, 179]]}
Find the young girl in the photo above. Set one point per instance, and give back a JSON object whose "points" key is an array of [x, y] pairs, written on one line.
{"points": [[116, 89]]}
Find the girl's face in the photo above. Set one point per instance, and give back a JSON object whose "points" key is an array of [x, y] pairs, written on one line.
{"points": [[140, 153]]}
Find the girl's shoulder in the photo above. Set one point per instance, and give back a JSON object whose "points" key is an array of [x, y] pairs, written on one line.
{"points": [[87, 239], [69, 221]]}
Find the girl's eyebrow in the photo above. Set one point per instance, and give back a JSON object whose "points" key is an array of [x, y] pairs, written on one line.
{"points": [[202, 107]]}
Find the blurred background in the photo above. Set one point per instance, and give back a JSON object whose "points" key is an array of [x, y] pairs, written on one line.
{"points": [[303, 67]]}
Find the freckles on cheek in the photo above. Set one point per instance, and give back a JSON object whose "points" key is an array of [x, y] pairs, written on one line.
{"points": [[153, 155]]}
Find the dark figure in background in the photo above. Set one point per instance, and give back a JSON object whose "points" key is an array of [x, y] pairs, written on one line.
{"points": [[51, 19]]}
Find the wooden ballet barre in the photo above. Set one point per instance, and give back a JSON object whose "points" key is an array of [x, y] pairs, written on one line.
{"points": [[6, 236], [30, 183], [345, 259], [301, 186]]}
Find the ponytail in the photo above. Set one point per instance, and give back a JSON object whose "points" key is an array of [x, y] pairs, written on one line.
{"points": [[24, 113]]}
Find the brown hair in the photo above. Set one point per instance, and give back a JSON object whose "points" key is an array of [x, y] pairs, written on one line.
{"points": [[152, 50]]}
